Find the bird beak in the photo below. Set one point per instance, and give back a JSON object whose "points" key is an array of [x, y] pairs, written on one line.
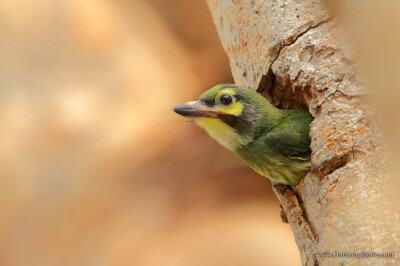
{"points": [[195, 109]]}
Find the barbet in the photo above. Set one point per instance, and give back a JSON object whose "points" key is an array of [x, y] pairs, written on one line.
{"points": [[274, 142]]}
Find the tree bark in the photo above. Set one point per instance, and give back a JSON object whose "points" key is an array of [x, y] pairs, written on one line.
{"points": [[294, 53]]}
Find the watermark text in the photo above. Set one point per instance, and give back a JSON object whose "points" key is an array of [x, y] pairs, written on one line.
{"points": [[363, 254]]}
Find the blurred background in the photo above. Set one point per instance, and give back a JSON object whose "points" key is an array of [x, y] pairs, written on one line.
{"points": [[95, 167]]}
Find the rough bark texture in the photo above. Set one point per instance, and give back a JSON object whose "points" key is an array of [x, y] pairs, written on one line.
{"points": [[294, 53]]}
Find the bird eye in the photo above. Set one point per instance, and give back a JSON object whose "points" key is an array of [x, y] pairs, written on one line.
{"points": [[226, 99]]}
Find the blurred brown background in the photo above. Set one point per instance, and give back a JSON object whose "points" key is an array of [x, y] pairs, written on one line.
{"points": [[95, 167]]}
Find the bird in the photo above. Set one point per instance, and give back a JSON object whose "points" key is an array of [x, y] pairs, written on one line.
{"points": [[274, 142]]}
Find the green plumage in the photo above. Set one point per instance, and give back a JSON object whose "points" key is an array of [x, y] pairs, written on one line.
{"points": [[274, 142], [281, 153]]}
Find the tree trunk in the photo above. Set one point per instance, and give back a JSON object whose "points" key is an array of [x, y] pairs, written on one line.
{"points": [[294, 53]]}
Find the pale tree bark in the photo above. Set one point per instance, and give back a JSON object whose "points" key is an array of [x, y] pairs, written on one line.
{"points": [[294, 53]]}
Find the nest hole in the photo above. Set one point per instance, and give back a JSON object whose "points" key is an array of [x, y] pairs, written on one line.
{"points": [[282, 93]]}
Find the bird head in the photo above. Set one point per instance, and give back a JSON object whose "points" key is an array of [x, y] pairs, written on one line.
{"points": [[229, 113]]}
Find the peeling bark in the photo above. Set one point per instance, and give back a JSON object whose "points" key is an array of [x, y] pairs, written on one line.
{"points": [[294, 53]]}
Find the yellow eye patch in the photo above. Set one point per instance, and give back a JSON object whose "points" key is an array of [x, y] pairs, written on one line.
{"points": [[225, 91], [234, 109]]}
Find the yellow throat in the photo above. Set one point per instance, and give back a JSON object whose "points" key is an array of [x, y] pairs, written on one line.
{"points": [[221, 132]]}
